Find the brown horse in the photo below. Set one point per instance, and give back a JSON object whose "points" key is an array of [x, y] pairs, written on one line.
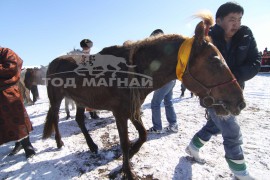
{"points": [[154, 63], [34, 77]]}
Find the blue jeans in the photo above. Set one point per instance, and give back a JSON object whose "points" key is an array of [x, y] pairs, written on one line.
{"points": [[230, 130], [166, 93]]}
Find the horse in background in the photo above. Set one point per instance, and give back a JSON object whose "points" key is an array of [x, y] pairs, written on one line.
{"points": [[206, 74], [24, 91], [32, 78]]}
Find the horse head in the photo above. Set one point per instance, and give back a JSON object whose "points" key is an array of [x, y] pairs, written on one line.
{"points": [[35, 76], [209, 77]]}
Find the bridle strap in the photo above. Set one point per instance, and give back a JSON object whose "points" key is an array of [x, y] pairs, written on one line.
{"points": [[222, 84], [208, 89]]}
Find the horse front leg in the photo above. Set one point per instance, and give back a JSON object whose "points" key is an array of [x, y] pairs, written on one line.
{"points": [[142, 136], [80, 121], [34, 91], [27, 95], [125, 144]]}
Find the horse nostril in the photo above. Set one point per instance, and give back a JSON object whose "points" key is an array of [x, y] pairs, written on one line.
{"points": [[242, 105]]}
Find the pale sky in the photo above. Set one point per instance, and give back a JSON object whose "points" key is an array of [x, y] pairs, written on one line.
{"points": [[39, 31]]}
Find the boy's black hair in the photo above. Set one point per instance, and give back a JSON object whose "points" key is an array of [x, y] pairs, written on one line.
{"points": [[227, 8], [156, 32], [86, 43]]}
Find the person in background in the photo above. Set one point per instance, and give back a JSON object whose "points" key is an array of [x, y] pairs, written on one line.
{"points": [[15, 124], [164, 93], [183, 89], [86, 46], [238, 46]]}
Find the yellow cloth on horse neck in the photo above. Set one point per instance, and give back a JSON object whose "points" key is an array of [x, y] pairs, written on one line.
{"points": [[183, 56]]}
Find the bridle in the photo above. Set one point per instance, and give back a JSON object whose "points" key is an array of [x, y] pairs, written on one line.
{"points": [[209, 100]]}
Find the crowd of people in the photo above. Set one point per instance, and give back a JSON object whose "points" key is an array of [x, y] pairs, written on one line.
{"points": [[236, 44]]}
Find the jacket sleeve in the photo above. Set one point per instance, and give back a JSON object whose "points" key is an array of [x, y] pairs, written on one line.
{"points": [[8, 63], [252, 64]]}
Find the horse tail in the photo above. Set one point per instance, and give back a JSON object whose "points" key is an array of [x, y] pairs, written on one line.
{"points": [[48, 127], [55, 97]]}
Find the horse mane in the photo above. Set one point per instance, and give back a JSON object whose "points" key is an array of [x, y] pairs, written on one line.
{"points": [[135, 94], [206, 16], [129, 48], [208, 21], [152, 40]]}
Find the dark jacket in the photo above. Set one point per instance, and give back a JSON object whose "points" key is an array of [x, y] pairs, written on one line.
{"points": [[242, 57]]}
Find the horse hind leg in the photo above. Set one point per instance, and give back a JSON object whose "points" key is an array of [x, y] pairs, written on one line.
{"points": [[80, 121]]}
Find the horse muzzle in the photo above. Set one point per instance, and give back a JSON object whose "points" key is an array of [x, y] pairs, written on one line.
{"points": [[221, 107]]}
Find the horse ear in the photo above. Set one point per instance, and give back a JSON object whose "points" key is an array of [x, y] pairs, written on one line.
{"points": [[200, 33]]}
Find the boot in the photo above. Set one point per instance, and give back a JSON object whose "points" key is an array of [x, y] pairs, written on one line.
{"points": [[245, 177], [94, 115], [190, 150], [28, 148], [182, 94], [239, 169], [16, 149], [193, 149]]}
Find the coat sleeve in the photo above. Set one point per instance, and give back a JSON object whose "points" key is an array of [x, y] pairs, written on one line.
{"points": [[252, 63], [8, 63]]}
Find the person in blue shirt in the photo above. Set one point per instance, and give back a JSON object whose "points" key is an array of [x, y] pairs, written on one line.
{"points": [[164, 93]]}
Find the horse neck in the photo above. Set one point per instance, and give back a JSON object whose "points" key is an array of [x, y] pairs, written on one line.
{"points": [[167, 69]]}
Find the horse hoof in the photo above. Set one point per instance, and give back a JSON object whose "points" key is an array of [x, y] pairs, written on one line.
{"points": [[60, 145], [130, 176], [94, 149]]}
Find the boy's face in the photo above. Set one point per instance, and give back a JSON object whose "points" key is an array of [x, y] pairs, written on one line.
{"points": [[230, 23], [86, 50]]}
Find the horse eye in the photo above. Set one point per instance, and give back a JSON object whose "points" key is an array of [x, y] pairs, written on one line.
{"points": [[216, 62]]}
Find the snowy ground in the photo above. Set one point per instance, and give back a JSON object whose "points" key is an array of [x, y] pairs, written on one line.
{"points": [[161, 157]]}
